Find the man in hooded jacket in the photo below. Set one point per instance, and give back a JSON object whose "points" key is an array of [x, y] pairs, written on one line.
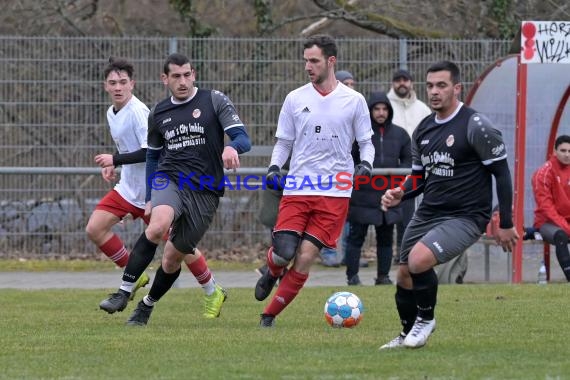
{"points": [[393, 150]]}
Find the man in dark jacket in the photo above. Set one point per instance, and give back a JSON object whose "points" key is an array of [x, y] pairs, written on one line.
{"points": [[393, 150]]}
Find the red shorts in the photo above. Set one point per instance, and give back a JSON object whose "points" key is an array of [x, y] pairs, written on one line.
{"points": [[115, 204], [319, 216]]}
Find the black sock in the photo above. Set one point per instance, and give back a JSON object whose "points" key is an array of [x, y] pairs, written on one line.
{"points": [[162, 283], [425, 292], [407, 308], [139, 259]]}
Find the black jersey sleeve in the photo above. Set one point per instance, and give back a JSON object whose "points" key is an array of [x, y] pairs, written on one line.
{"points": [[485, 139], [225, 110], [155, 140], [231, 122], [129, 158]]}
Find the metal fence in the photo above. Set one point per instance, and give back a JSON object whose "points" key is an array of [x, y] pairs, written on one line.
{"points": [[52, 114]]}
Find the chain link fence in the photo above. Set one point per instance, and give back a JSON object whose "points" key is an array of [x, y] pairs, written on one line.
{"points": [[52, 115]]}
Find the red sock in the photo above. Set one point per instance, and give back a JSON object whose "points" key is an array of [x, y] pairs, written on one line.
{"points": [[288, 289], [276, 271], [200, 270], [116, 251]]}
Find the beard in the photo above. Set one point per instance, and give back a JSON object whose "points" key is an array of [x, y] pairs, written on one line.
{"points": [[402, 91]]}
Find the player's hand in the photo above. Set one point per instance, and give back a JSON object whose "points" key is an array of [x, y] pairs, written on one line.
{"points": [[363, 169], [507, 238], [274, 178], [108, 173], [104, 160], [147, 208], [230, 158], [391, 198]]}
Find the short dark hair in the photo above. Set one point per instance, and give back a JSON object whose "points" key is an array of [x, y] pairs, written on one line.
{"points": [[119, 64], [446, 66], [175, 59], [561, 140], [325, 42]]}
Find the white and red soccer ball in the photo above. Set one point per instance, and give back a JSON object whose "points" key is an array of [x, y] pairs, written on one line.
{"points": [[343, 309]]}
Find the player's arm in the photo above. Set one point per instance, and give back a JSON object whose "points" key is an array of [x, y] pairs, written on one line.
{"points": [[129, 158], [363, 136], [504, 189], [279, 156], [367, 151], [139, 127], [233, 127], [281, 153], [488, 143]]}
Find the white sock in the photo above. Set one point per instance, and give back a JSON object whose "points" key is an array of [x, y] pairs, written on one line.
{"points": [[148, 301], [209, 287], [127, 286]]}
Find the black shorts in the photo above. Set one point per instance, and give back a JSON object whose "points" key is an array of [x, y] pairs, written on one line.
{"points": [[447, 237], [193, 214]]}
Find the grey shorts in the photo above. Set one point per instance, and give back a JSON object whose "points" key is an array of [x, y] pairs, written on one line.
{"points": [[193, 214], [447, 237]]}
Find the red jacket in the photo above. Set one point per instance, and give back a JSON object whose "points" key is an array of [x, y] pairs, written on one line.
{"points": [[551, 188]]}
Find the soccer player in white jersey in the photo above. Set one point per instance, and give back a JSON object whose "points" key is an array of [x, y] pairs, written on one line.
{"points": [[128, 118], [318, 124]]}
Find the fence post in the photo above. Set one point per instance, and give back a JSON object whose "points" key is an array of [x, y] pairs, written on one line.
{"points": [[403, 53]]}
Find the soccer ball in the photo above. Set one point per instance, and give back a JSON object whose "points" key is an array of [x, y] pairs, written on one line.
{"points": [[343, 309]]}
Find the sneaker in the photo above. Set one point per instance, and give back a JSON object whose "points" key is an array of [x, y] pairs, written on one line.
{"points": [[116, 302], [383, 280], [141, 283], [140, 316], [267, 320], [264, 286], [397, 342], [213, 303], [264, 268], [354, 280], [420, 333], [363, 263]]}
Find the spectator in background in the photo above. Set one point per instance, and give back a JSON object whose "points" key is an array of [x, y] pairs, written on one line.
{"points": [[392, 145], [408, 109], [408, 112], [551, 188], [345, 78]]}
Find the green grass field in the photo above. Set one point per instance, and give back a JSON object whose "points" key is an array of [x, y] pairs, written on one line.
{"points": [[484, 332]]}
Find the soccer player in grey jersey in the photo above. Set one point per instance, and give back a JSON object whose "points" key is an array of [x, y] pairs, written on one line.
{"points": [[453, 150]]}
